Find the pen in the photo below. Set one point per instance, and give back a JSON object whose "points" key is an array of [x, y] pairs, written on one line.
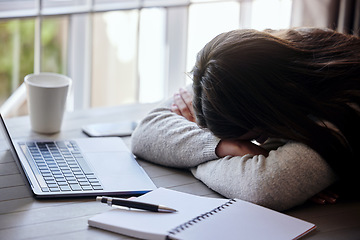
{"points": [[135, 204]]}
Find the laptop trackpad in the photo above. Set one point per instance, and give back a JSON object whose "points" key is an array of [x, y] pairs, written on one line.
{"points": [[117, 170]]}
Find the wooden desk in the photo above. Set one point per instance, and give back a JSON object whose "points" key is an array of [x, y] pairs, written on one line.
{"points": [[23, 217]]}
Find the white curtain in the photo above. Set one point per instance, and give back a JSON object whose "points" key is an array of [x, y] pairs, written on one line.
{"points": [[341, 15]]}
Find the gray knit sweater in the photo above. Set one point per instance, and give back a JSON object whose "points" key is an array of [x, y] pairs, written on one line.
{"points": [[291, 174]]}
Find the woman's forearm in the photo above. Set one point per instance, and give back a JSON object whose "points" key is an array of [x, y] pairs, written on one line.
{"points": [[166, 138], [288, 177]]}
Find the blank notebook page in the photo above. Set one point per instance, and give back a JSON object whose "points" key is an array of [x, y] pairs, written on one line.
{"points": [[221, 219]]}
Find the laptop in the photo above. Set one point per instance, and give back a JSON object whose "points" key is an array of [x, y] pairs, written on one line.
{"points": [[78, 167]]}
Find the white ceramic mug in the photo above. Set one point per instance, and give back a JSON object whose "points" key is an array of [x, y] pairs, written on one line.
{"points": [[46, 95]]}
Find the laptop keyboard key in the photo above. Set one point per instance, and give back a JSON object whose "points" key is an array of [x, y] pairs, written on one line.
{"points": [[86, 188], [54, 189], [75, 187], [97, 188], [65, 188]]}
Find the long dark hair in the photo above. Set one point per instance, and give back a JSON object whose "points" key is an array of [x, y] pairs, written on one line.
{"points": [[286, 83]]}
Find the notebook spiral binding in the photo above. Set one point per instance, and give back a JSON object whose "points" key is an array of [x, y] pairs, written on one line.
{"points": [[200, 218]]}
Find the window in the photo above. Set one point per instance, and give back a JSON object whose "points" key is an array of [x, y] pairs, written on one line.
{"points": [[114, 58], [54, 44], [271, 14], [206, 20], [16, 53], [16, 56], [118, 51], [131, 59]]}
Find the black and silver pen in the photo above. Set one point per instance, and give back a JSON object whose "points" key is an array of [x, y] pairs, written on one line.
{"points": [[134, 204]]}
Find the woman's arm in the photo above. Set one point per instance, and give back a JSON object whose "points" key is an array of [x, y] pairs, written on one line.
{"points": [[281, 179], [168, 139], [286, 178], [168, 135]]}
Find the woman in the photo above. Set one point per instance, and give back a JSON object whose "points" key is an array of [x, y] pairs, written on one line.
{"points": [[296, 92]]}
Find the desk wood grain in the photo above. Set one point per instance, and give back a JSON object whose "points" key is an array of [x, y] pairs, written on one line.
{"points": [[24, 217]]}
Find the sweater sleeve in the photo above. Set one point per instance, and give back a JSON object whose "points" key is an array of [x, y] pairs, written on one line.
{"points": [[288, 177], [168, 139]]}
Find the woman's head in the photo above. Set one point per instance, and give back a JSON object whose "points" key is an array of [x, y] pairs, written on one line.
{"points": [[246, 80], [236, 81], [280, 84]]}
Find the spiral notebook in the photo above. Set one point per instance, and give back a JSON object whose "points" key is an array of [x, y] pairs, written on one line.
{"points": [[201, 218]]}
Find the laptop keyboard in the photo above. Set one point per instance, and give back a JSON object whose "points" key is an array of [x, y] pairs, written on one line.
{"points": [[61, 166]]}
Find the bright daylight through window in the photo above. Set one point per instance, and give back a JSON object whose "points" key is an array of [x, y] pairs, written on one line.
{"points": [[117, 52]]}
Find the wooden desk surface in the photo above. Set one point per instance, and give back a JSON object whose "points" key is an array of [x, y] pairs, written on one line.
{"points": [[23, 217]]}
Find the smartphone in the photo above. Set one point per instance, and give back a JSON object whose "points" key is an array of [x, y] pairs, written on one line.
{"points": [[113, 129]]}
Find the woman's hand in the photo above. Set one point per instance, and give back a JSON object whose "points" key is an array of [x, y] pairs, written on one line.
{"points": [[183, 105], [238, 148], [325, 197]]}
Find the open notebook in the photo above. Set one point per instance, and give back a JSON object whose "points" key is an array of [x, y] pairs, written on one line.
{"points": [[201, 218]]}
